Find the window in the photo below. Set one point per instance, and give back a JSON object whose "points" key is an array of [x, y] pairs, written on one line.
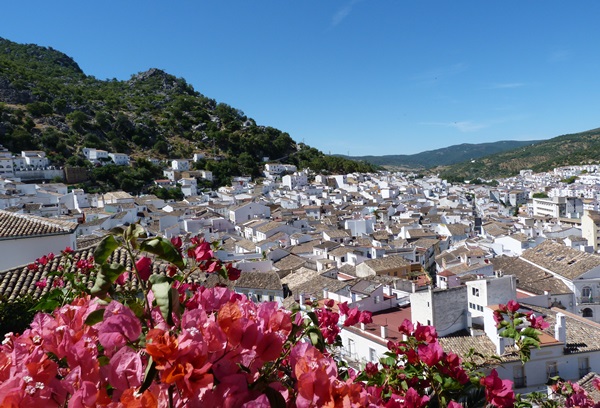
{"points": [[551, 369], [586, 295], [351, 349], [519, 376], [587, 312], [475, 291], [584, 366], [372, 355]]}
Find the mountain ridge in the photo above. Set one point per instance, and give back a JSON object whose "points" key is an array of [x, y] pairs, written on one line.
{"points": [[444, 156], [48, 103]]}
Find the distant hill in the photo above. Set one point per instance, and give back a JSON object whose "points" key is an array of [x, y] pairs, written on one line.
{"points": [[48, 103], [571, 149], [445, 156]]}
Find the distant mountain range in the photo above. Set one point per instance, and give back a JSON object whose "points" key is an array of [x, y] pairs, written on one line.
{"points": [[444, 156], [571, 149], [499, 159]]}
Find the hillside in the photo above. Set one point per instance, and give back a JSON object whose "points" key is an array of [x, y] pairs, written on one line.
{"points": [[48, 103], [445, 156], [571, 149]]}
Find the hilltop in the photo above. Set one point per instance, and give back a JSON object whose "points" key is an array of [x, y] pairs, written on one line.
{"points": [[48, 103], [571, 149], [444, 156]]}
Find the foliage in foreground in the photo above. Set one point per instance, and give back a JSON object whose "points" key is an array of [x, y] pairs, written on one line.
{"points": [[178, 344]]}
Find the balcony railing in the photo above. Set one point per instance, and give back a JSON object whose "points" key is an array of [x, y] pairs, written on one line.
{"points": [[589, 300]]}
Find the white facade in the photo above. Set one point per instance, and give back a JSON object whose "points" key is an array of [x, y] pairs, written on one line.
{"points": [[120, 159], [180, 165], [12, 253]]}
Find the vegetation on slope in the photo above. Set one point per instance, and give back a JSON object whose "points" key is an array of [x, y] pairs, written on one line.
{"points": [[572, 149], [48, 103], [445, 156]]}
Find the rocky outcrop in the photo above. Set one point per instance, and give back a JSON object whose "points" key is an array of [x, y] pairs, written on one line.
{"points": [[8, 94]]}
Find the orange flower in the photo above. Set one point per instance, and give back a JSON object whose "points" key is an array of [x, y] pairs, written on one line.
{"points": [[129, 399], [161, 345]]}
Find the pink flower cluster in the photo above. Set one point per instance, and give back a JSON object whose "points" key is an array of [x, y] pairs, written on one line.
{"points": [[220, 352]]}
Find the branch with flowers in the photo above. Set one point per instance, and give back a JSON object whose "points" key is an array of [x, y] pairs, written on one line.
{"points": [[171, 342]]}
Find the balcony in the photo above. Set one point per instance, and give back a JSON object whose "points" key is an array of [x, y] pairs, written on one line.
{"points": [[588, 300]]}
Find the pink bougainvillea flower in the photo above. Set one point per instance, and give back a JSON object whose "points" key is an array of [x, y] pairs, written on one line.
{"points": [[42, 283], [406, 327], [365, 317], [537, 322], [144, 267], [177, 242], [425, 333], [122, 278], [512, 306], [233, 273], [125, 370], [119, 326], [497, 391], [430, 353], [43, 260], [203, 252]]}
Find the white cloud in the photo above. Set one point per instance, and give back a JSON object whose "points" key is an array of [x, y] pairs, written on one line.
{"points": [[343, 12], [508, 85], [559, 55], [464, 126], [467, 126]]}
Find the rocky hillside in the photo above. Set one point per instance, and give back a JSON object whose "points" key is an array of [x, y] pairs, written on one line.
{"points": [[47, 102]]}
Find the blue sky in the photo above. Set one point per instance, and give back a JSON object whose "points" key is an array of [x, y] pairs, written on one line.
{"points": [[358, 77]]}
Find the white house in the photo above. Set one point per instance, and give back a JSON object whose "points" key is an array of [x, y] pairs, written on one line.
{"points": [[23, 238], [120, 159], [180, 164]]}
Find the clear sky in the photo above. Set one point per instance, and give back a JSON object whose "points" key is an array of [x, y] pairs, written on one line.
{"points": [[358, 77]]}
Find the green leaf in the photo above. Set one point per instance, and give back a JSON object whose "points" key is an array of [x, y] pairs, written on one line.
{"points": [[149, 375], [46, 305], [103, 361], [95, 317], [161, 287], [107, 275], [132, 233], [164, 249], [509, 332], [105, 248], [529, 332], [117, 230], [275, 398], [313, 317]]}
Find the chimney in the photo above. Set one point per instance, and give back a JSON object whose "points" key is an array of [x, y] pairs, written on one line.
{"points": [[560, 328], [363, 326], [383, 332], [301, 299], [500, 345], [325, 293]]}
